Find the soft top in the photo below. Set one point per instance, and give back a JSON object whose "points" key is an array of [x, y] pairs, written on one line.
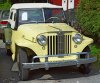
{"points": [[34, 5]]}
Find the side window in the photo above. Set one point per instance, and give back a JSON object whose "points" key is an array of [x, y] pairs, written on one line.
{"points": [[11, 16]]}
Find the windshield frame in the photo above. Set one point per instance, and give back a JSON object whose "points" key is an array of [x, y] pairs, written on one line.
{"points": [[43, 12], [28, 9], [52, 16]]}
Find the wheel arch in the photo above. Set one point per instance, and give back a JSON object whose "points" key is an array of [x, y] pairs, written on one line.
{"points": [[30, 52], [86, 49]]}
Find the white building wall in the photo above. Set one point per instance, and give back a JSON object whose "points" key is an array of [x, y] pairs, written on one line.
{"points": [[68, 4], [64, 4]]}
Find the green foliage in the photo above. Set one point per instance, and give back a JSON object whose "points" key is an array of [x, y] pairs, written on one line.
{"points": [[96, 53], [88, 16], [5, 5], [94, 50]]}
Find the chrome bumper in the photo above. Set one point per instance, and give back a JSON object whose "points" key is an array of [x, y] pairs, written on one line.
{"points": [[48, 65]]}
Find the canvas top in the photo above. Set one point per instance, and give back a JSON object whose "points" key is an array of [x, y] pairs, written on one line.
{"points": [[34, 5]]}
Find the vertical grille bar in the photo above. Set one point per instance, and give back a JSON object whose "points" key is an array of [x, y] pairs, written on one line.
{"points": [[66, 44], [56, 45], [48, 45], [70, 43], [52, 45]]}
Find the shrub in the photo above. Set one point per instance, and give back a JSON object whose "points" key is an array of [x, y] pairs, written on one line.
{"points": [[88, 16], [6, 5]]}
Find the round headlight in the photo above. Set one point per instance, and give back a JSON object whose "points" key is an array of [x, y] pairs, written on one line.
{"points": [[77, 38], [41, 40]]}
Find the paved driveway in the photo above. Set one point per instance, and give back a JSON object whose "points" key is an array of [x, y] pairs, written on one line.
{"points": [[54, 75], [63, 75]]}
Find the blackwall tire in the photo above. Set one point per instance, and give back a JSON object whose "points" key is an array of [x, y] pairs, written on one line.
{"points": [[85, 68], [22, 58], [9, 53]]}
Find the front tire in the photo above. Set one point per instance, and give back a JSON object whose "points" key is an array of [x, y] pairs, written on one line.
{"points": [[85, 68], [9, 53], [22, 58]]}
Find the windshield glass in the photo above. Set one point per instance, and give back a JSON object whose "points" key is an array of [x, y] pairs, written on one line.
{"points": [[31, 15], [54, 15], [41, 15]]}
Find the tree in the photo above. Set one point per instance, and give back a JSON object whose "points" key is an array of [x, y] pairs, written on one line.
{"points": [[6, 5], [27, 1], [88, 16]]}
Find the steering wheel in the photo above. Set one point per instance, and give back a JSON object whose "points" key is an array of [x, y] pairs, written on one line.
{"points": [[52, 18]]}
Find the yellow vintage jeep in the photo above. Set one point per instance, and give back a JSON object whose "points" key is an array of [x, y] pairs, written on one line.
{"points": [[38, 38]]}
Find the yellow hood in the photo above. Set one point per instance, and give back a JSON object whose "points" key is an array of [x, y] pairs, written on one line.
{"points": [[44, 28]]}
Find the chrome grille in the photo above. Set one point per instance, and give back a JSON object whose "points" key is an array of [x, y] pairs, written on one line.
{"points": [[59, 44]]}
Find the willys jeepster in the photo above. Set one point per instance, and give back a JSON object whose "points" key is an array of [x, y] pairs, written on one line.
{"points": [[38, 38]]}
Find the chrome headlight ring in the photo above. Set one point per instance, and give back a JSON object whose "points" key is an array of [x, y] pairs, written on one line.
{"points": [[77, 38], [42, 40]]}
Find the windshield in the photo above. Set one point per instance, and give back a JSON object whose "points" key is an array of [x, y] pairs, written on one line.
{"points": [[54, 15], [46, 15], [31, 15]]}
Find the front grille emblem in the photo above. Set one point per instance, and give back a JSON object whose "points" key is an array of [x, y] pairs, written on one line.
{"points": [[60, 33]]}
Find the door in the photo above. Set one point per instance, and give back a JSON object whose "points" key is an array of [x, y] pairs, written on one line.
{"points": [[12, 19]]}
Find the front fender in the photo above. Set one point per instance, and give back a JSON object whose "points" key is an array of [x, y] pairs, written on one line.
{"points": [[80, 47], [87, 41], [39, 50]]}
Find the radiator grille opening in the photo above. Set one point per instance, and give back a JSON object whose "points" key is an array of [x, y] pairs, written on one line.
{"points": [[59, 44]]}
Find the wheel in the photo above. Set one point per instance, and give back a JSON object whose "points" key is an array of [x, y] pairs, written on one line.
{"points": [[22, 58], [8, 50], [9, 53], [3, 38], [85, 68]]}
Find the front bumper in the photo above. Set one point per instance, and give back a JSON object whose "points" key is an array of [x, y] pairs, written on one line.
{"points": [[48, 65]]}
